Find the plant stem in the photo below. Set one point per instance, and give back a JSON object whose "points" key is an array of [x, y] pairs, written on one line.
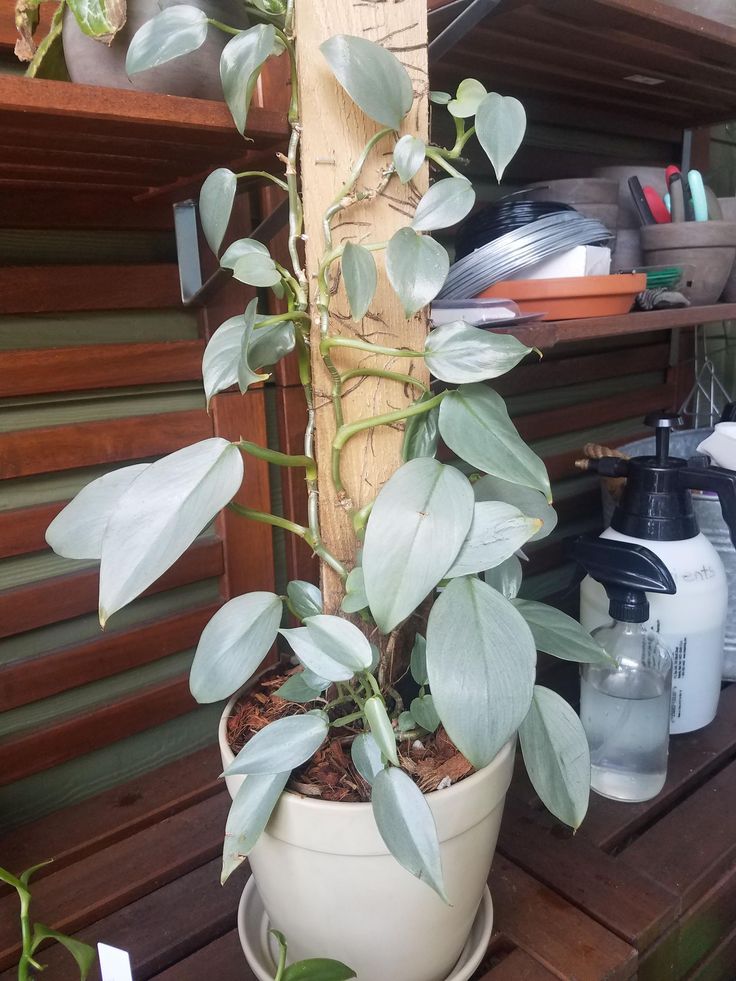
{"points": [[223, 27], [295, 315], [276, 457], [383, 373], [432, 154], [358, 345], [341, 199], [345, 720], [264, 173], [271, 519]]}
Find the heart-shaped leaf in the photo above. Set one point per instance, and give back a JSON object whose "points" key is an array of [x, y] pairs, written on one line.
{"points": [[82, 953], [532, 503], [408, 157], [175, 31], [423, 710], [483, 696], [439, 98], [360, 278], [366, 756], [421, 432], [281, 745], [500, 124], [506, 577], [233, 644], [355, 598], [418, 523], [406, 722], [77, 531], [446, 203], [318, 969], [216, 204], [270, 344], [417, 268], [407, 826], [470, 94], [161, 513], [222, 357], [373, 77], [497, 531], [249, 814], [240, 65], [243, 247], [457, 352], [475, 424], [305, 598], [418, 662], [381, 728], [556, 755], [558, 634], [341, 640], [246, 374], [256, 269], [315, 659], [303, 686]]}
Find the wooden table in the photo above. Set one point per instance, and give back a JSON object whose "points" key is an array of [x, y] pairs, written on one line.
{"points": [[645, 891]]}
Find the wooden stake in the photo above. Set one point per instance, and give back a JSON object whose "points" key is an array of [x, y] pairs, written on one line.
{"points": [[334, 132]]}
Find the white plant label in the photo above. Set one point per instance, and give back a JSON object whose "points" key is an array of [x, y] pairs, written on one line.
{"points": [[114, 963]]}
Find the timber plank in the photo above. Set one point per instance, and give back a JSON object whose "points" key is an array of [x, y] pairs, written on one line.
{"points": [[518, 966], [99, 366], [222, 959], [718, 966], [562, 938], [291, 409], [63, 597], [69, 289], [49, 449], [23, 530], [108, 654], [100, 884], [37, 750]]}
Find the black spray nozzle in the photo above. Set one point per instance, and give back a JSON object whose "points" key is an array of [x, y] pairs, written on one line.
{"points": [[662, 423], [626, 572]]}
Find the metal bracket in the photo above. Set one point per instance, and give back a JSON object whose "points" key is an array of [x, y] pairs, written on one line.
{"points": [[193, 290], [456, 30]]}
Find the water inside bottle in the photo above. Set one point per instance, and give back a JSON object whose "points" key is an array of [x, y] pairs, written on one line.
{"points": [[626, 718]]}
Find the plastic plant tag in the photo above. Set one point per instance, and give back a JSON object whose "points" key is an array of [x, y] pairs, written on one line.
{"points": [[114, 963]]}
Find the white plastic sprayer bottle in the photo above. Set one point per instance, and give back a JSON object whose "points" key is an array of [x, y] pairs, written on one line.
{"points": [[656, 511]]}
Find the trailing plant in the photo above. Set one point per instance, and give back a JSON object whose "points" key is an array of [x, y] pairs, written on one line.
{"points": [[34, 934], [312, 969], [98, 19], [450, 532]]}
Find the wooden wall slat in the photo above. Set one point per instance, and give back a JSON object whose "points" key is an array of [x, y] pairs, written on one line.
{"points": [[23, 530], [73, 369], [53, 448], [292, 416], [81, 208], [64, 597]]}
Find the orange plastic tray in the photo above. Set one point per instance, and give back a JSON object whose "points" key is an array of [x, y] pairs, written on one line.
{"points": [[571, 298]]}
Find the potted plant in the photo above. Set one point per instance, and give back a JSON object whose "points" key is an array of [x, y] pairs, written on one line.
{"points": [[428, 650]]}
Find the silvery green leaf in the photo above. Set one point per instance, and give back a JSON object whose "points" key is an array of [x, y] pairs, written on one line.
{"points": [[506, 577], [355, 598], [341, 640], [531, 502], [417, 268], [423, 710], [78, 530], [360, 278], [314, 658], [381, 728], [83, 954], [161, 513], [556, 755], [439, 98], [305, 598], [496, 532], [558, 634], [475, 424], [233, 644], [216, 204], [222, 356], [406, 722], [407, 826], [243, 247], [446, 203], [421, 432], [366, 756], [175, 31], [246, 375], [418, 523], [375, 659], [500, 124], [281, 745], [483, 696], [318, 969], [297, 689], [270, 344], [373, 77], [240, 65], [249, 814], [470, 94], [418, 661], [408, 157], [457, 352], [256, 269]]}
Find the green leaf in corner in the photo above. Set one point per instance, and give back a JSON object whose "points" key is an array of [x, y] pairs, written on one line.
{"points": [[460, 353], [82, 953], [305, 598], [500, 124], [558, 634], [249, 814], [360, 277], [417, 268], [407, 826], [446, 203], [421, 432], [216, 204], [318, 969], [381, 728], [175, 31], [373, 77], [470, 94], [556, 756], [240, 65], [475, 424], [408, 157]]}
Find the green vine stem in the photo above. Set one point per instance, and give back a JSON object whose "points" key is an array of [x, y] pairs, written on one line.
{"points": [[383, 373], [358, 345], [276, 520], [276, 457], [438, 158], [265, 174]]}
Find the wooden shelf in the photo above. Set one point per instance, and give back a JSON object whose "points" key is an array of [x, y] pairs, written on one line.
{"points": [[586, 55], [546, 334], [58, 135]]}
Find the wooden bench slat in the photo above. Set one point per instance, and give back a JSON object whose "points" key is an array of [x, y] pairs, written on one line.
{"points": [[64, 597], [99, 366], [222, 959], [52, 448], [518, 966]]}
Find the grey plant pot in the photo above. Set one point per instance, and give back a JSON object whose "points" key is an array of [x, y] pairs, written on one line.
{"points": [[709, 246], [576, 190], [728, 207], [651, 176]]}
